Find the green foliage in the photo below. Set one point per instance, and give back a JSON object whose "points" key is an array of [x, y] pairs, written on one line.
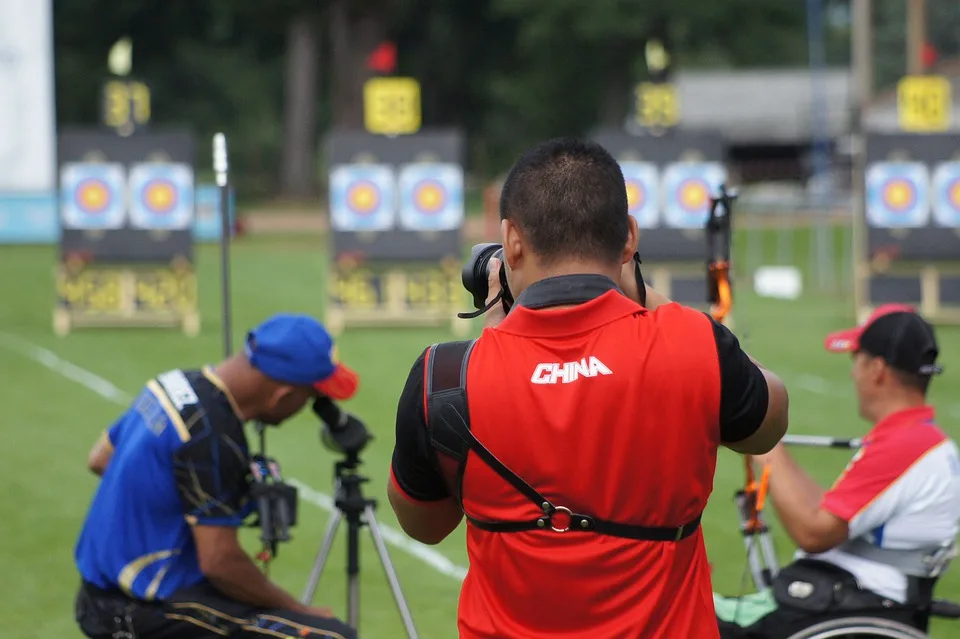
{"points": [[506, 72]]}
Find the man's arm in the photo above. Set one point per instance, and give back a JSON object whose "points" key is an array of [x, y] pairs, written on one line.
{"points": [[211, 474], [416, 489], [753, 401], [797, 499], [100, 455]]}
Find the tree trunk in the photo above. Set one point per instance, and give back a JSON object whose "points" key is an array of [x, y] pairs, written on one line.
{"points": [[300, 110], [354, 35]]}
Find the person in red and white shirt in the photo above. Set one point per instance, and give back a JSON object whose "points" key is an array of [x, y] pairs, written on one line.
{"points": [[901, 490]]}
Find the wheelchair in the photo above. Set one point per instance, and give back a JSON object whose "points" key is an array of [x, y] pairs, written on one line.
{"points": [[855, 624]]}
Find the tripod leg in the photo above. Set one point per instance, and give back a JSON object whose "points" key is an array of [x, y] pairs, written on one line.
{"points": [[321, 557], [371, 520]]}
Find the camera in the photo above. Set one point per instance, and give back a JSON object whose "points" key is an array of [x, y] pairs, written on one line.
{"points": [[342, 432], [475, 276]]}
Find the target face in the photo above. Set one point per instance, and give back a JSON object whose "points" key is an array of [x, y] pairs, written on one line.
{"points": [[362, 197], [898, 195], [687, 188], [161, 196], [431, 197], [946, 194], [92, 196], [643, 192]]}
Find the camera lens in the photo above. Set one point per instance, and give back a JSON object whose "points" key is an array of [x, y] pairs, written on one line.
{"points": [[475, 271]]}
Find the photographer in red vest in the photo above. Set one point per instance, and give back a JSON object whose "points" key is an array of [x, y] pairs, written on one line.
{"points": [[579, 433]]}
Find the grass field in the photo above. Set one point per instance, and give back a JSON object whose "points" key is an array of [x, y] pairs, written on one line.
{"points": [[61, 392]]}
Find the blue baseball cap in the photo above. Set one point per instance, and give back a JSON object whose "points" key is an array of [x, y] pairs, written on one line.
{"points": [[298, 350]]}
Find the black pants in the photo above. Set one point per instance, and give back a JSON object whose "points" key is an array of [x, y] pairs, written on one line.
{"points": [[194, 613]]}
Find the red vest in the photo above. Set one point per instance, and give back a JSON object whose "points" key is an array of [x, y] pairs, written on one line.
{"points": [[610, 411]]}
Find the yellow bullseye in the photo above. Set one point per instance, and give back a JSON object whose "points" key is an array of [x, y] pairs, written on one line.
{"points": [[160, 197], [955, 194], [898, 194], [362, 198], [429, 198], [93, 197], [693, 196], [634, 195]]}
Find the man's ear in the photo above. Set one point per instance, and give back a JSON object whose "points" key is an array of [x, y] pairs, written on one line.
{"points": [[279, 394], [512, 239], [633, 239]]}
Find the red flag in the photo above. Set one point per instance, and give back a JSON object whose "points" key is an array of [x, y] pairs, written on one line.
{"points": [[384, 58], [929, 55]]}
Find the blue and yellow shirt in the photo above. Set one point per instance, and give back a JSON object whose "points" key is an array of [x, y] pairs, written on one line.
{"points": [[180, 459]]}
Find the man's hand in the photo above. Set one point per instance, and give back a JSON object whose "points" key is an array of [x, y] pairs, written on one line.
{"points": [[496, 314], [100, 455], [232, 572]]}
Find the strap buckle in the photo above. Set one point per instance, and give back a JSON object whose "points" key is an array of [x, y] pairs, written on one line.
{"points": [[564, 511]]}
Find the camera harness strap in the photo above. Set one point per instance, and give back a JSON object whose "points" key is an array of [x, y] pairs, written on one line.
{"points": [[448, 422]]}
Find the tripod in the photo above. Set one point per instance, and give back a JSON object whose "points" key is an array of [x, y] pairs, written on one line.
{"points": [[358, 511]]}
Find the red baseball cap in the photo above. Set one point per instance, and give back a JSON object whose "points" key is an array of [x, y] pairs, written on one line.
{"points": [[894, 332]]}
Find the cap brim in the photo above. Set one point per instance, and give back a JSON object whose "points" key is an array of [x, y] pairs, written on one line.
{"points": [[341, 385], [845, 341]]}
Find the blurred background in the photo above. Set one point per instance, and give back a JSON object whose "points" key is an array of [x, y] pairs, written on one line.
{"points": [[366, 141]]}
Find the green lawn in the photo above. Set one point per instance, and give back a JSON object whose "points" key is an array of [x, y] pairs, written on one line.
{"points": [[53, 418]]}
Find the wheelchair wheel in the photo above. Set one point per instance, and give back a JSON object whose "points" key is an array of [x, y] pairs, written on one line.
{"points": [[851, 627]]}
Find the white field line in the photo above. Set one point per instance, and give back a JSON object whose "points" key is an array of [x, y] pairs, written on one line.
{"points": [[110, 392]]}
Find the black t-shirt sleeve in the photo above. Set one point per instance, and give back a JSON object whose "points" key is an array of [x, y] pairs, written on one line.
{"points": [[211, 472], [743, 389], [413, 464]]}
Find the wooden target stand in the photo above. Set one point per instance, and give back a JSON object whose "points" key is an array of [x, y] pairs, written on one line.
{"points": [[929, 274], [402, 294], [112, 296]]}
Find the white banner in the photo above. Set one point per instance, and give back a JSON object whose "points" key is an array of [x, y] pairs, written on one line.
{"points": [[27, 115]]}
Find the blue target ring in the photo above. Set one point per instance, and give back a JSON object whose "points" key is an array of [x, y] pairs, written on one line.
{"points": [[92, 196], [946, 194], [161, 196], [688, 187], [641, 180], [362, 197], [898, 195], [431, 196]]}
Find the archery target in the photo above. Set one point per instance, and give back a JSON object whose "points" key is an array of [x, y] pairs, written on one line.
{"points": [[92, 196], [898, 195], [946, 194], [687, 188], [431, 197], [643, 192], [362, 197], [161, 196]]}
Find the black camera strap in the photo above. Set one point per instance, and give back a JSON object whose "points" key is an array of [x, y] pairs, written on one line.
{"points": [[448, 423]]}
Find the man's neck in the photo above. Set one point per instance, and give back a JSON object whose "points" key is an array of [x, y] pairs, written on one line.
{"points": [[236, 385], [575, 267], [897, 404]]}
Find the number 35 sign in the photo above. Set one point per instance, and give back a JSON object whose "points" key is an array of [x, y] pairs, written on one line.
{"points": [[391, 106]]}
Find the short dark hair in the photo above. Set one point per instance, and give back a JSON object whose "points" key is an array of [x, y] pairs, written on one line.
{"points": [[569, 198], [913, 381]]}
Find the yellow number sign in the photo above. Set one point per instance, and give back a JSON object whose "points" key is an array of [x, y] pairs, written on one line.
{"points": [[924, 103], [165, 290], [126, 105], [657, 105], [91, 292], [391, 106]]}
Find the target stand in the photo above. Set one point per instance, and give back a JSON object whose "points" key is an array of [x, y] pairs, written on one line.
{"points": [[126, 242], [396, 213], [907, 241], [670, 179]]}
